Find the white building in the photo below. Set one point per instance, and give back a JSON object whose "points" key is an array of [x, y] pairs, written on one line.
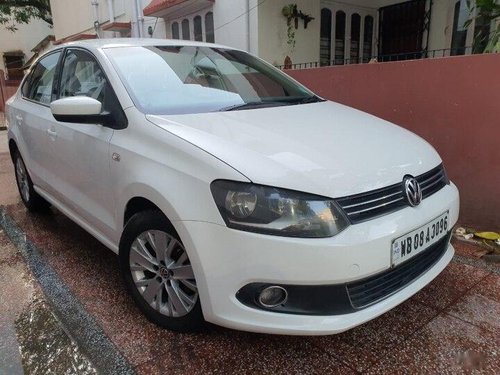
{"points": [[86, 19], [20, 47], [318, 32], [337, 31]]}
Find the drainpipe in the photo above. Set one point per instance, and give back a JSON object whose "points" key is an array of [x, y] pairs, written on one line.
{"points": [[140, 17], [248, 27], [135, 21], [111, 12], [95, 5]]}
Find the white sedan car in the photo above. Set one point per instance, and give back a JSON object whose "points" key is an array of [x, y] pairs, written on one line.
{"points": [[231, 193]]}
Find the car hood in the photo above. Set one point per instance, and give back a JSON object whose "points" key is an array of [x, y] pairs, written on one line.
{"points": [[322, 148]]}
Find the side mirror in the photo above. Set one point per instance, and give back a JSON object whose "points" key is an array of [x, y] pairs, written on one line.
{"points": [[79, 109]]}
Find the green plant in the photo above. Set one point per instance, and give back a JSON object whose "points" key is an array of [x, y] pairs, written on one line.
{"points": [[485, 12], [291, 13], [13, 12]]}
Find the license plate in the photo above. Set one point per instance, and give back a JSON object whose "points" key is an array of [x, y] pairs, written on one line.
{"points": [[413, 243]]}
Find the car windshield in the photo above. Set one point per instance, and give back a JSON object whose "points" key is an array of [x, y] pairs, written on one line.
{"points": [[169, 80]]}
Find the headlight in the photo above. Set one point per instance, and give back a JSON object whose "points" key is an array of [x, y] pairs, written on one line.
{"points": [[263, 209]]}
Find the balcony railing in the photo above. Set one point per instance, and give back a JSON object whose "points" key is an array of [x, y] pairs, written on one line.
{"points": [[383, 58]]}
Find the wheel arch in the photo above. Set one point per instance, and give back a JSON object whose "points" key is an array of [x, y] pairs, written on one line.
{"points": [[138, 197], [143, 202], [139, 204], [13, 148]]}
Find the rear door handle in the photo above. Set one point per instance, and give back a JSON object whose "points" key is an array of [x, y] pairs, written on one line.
{"points": [[19, 119], [52, 133]]}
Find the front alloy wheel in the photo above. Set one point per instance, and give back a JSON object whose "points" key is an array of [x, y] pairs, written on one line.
{"points": [[158, 273], [162, 273]]}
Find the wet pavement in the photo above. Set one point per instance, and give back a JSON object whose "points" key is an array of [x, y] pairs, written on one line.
{"points": [[32, 340], [451, 326]]}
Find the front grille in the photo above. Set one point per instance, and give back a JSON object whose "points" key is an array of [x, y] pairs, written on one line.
{"points": [[366, 292], [369, 205]]}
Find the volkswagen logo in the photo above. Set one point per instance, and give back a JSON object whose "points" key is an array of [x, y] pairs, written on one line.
{"points": [[412, 191]]}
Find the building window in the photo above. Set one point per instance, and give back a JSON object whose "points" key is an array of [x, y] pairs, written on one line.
{"points": [[325, 37], [192, 27], [459, 36], [355, 36], [368, 39], [209, 27], [339, 37], [198, 31], [185, 30], [13, 64], [175, 30]]}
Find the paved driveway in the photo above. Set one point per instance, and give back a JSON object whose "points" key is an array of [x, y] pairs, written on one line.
{"points": [[452, 326]]}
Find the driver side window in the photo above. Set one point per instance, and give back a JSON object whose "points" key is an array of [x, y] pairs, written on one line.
{"points": [[82, 75]]}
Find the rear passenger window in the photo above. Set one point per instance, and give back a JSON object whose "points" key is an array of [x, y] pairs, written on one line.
{"points": [[39, 86]]}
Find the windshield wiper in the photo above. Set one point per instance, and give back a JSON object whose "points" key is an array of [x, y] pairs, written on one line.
{"points": [[307, 100], [276, 103], [251, 105]]}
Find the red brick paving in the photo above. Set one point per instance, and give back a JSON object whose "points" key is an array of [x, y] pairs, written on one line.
{"points": [[455, 314]]}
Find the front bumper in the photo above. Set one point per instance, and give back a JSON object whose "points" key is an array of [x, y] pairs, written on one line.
{"points": [[225, 260]]}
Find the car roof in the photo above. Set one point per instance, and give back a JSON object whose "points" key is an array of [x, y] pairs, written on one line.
{"points": [[136, 42]]}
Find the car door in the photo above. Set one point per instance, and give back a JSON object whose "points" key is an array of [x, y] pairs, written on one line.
{"points": [[34, 119], [80, 158]]}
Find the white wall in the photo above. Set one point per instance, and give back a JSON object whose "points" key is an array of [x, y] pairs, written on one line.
{"points": [[441, 24], [77, 16], [273, 38], [24, 39], [71, 17], [229, 29]]}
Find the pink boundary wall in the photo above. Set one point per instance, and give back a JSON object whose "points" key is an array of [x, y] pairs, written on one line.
{"points": [[7, 89], [453, 103]]}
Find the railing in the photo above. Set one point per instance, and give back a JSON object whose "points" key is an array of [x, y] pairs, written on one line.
{"points": [[383, 58]]}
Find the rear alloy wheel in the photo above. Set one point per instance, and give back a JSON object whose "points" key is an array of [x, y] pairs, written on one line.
{"points": [[158, 273], [31, 199]]}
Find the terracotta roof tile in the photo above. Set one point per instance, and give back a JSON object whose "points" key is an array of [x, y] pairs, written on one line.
{"points": [[157, 5]]}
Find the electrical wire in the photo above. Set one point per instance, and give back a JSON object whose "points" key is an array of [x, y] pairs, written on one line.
{"points": [[241, 15], [229, 22]]}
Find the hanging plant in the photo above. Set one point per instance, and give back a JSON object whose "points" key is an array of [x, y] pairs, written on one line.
{"points": [[290, 12]]}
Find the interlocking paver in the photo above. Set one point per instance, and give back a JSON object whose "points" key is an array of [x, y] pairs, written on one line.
{"points": [[450, 285], [368, 343], [481, 305], [446, 345]]}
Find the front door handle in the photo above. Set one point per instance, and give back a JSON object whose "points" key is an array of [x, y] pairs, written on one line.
{"points": [[52, 133], [19, 119]]}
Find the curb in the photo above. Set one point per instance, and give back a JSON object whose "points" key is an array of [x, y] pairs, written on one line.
{"points": [[82, 327]]}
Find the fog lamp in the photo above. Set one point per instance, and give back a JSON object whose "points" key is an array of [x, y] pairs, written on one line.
{"points": [[273, 296]]}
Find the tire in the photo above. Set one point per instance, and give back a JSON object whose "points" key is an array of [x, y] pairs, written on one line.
{"points": [[157, 273], [31, 199]]}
